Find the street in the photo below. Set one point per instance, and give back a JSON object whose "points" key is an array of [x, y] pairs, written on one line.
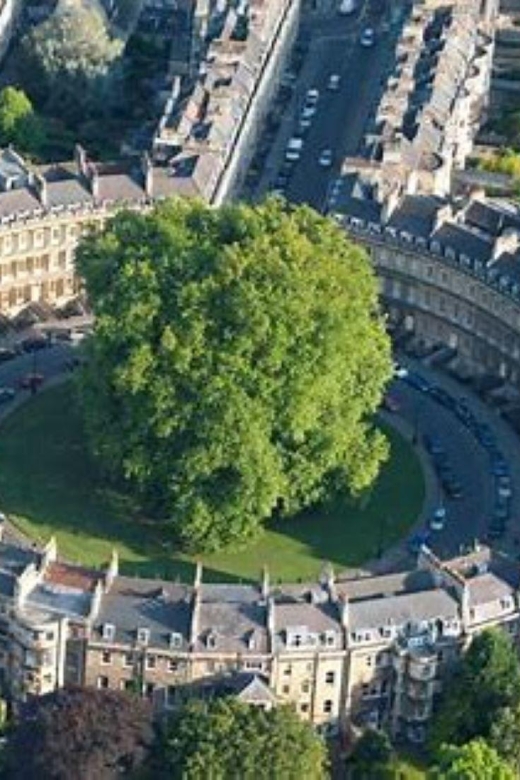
{"points": [[342, 116]]}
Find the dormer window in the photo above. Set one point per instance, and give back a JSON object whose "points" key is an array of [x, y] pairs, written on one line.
{"points": [[211, 641], [108, 632], [143, 636], [329, 638], [251, 641], [175, 640]]}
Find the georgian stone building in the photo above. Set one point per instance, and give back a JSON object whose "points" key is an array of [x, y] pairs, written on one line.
{"points": [[346, 653]]}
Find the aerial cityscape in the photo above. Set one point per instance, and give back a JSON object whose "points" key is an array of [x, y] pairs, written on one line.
{"points": [[260, 389]]}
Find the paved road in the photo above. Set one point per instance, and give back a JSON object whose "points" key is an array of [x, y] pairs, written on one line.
{"points": [[468, 517], [343, 116], [50, 362]]}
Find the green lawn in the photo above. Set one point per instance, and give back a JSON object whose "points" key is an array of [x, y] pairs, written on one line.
{"points": [[49, 485]]}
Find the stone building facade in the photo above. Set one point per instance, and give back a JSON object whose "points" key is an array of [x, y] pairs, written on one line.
{"points": [[346, 653]]}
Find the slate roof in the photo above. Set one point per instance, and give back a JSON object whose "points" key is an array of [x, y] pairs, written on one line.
{"points": [[401, 609], [161, 607]]}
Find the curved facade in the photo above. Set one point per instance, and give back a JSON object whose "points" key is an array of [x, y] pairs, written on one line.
{"points": [[444, 295]]}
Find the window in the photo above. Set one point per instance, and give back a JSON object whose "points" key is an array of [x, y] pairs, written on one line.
{"points": [[102, 682], [149, 689], [127, 685], [108, 632], [175, 640], [143, 635], [173, 666], [106, 657], [369, 660], [49, 636], [151, 662], [128, 659], [306, 686], [330, 678], [327, 706], [286, 689], [304, 708], [287, 670]]}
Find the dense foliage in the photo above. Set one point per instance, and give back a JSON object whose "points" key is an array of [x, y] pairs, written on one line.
{"points": [[474, 761], [19, 124], [81, 734], [224, 739], [68, 61], [486, 681], [371, 757], [237, 361]]}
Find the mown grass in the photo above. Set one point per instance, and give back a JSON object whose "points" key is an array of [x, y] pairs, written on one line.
{"points": [[49, 485]]}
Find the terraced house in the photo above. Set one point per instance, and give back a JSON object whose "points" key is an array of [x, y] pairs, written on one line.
{"points": [[345, 652]]}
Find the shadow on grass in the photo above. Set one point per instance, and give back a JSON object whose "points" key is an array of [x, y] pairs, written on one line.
{"points": [[48, 482]]}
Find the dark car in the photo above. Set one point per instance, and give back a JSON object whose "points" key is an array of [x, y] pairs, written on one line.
{"points": [[442, 397], [35, 343], [432, 444], [6, 394], [452, 487], [496, 529], [7, 354], [417, 381]]}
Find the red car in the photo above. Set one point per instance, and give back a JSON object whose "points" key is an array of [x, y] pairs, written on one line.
{"points": [[31, 381]]}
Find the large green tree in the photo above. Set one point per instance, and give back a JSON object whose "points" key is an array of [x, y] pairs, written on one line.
{"points": [[486, 680], [225, 739], [237, 361], [474, 761]]}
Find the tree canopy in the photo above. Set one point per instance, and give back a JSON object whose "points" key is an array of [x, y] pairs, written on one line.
{"points": [[19, 125], [237, 361], [474, 761], [81, 734], [68, 60], [486, 681], [371, 756], [224, 738]]}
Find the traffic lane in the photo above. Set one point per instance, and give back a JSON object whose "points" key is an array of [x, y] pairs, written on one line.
{"points": [[342, 116], [468, 516], [506, 438], [49, 362]]}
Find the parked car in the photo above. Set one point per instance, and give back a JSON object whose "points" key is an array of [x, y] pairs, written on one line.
{"points": [[312, 96], [294, 149], [325, 158], [334, 82], [346, 7], [6, 394], [400, 371], [503, 486], [432, 444], [7, 354], [34, 343], [390, 403], [452, 487], [367, 38], [31, 381], [438, 519], [417, 381]]}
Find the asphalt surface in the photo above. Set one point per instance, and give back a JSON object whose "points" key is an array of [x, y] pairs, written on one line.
{"points": [[50, 362], [468, 517], [342, 116]]}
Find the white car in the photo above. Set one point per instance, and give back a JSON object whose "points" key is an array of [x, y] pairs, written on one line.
{"points": [[347, 7], [367, 38], [334, 80], [312, 97], [294, 149], [438, 520], [325, 158], [400, 371]]}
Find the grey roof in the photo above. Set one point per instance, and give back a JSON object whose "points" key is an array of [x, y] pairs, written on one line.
{"points": [[235, 627], [401, 609], [161, 607], [487, 587], [14, 559], [464, 241], [416, 214], [61, 599], [317, 618], [385, 585]]}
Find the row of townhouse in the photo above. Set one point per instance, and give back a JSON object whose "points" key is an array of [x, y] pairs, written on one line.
{"points": [[344, 652]]}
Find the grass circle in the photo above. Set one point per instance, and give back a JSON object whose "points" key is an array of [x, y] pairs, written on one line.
{"points": [[49, 486]]}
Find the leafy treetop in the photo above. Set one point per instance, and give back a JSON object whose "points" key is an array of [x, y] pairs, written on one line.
{"points": [[224, 738], [237, 361]]}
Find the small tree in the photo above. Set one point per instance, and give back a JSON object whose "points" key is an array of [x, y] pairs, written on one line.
{"points": [[371, 755], [225, 739], [19, 125], [474, 761], [80, 734]]}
